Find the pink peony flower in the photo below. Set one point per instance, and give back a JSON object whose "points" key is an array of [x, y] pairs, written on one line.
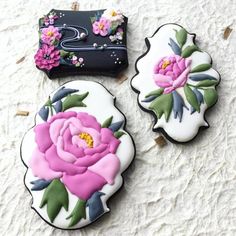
{"points": [[171, 72], [47, 57], [102, 26], [73, 147], [50, 35]]}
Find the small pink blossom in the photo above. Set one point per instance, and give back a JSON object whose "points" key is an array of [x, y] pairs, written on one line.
{"points": [[47, 57], [171, 72], [50, 34], [102, 26]]}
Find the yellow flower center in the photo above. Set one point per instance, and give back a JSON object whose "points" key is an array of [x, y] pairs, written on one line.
{"points": [[165, 64], [113, 13], [50, 33], [87, 138], [101, 26]]}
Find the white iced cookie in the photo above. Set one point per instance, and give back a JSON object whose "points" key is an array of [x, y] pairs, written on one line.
{"points": [[75, 154], [176, 83]]}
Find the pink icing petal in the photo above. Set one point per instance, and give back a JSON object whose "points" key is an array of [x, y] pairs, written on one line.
{"points": [[181, 80], [84, 185], [107, 167], [90, 160], [176, 70], [42, 136], [88, 121], [168, 90], [79, 142], [103, 32], [98, 149], [69, 146], [188, 62], [171, 74], [181, 64], [66, 156], [55, 128], [62, 115], [162, 81], [95, 135], [57, 164], [108, 137], [40, 167], [75, 129]]}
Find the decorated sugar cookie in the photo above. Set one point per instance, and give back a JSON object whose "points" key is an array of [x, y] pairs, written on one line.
{"points": [[75, 155], [82, 42], [176, 83]]}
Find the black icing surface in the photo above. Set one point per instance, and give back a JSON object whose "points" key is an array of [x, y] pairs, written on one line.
{"points": [[96, 61]]}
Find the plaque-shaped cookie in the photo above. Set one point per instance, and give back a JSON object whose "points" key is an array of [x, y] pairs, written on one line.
{"points": [[82, 43], [75, 154], [176, 83]]}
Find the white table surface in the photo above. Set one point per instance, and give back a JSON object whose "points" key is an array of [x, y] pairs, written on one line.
{"points": [[176, 190]]}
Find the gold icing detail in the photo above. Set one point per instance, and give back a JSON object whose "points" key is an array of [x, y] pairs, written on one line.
{"points": [[165, 64], [50, 33], [87, 138], [101, 26], [113, 13]]}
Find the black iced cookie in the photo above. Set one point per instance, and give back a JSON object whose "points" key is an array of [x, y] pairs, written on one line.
{"points": [[82, 43]]}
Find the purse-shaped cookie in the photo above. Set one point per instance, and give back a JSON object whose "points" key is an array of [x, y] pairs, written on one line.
{"points": [[82, 42], [176, 83], [75, 154]]}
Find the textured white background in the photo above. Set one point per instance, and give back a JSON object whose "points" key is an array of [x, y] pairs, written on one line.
{"points": [[177, 190]]}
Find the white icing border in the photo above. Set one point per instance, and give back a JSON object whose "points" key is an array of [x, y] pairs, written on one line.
{"points": [[143, 83], [99, 99]]}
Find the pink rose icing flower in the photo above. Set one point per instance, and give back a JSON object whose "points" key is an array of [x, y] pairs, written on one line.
{"points": [[47, 57], [73, 147], [50, 35], [102, 26], [171, 72]]}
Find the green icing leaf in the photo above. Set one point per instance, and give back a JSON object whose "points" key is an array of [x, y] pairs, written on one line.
{"points": [[118, 134], [207, 83], [56, 197], [191, 98], [156, 93], [181, 37], [63, 53], [162, 105], [74, 101], [55, 42], [93, 19], [107, 122], [200, 68], [210, 97], [78, 213], [189, 50]]}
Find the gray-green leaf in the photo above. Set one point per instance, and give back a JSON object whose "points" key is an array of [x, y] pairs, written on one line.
{"points": [[75, 100], [156, 93], [191, 98], [118, 134], [189, 50], [162, 105], [210, 97], [200, 68], [107, 122], [207, 83], [181, 37], [56, 197], [78, 213]]}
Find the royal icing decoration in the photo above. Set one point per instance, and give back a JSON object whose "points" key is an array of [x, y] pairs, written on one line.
{"points": [[75, 155], [75, 43], [176, 82], [108, 24]]}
